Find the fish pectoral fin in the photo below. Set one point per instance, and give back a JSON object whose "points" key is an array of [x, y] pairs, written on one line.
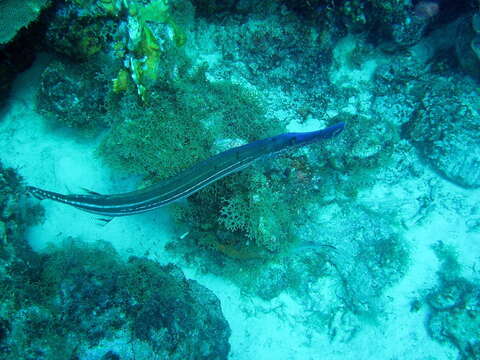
{"points": [[91, 192], [104, 221]]}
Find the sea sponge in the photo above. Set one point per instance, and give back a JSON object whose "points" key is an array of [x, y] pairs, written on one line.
{"points": [[15, 15]]}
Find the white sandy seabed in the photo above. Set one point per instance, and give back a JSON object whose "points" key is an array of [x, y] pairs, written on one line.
{"points": [[49, 159]]}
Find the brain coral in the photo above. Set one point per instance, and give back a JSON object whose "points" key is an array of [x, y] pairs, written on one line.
{"points": [[15, 15]]}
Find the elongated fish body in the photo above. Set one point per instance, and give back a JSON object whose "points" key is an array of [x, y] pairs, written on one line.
{"points": [[188, 181]]}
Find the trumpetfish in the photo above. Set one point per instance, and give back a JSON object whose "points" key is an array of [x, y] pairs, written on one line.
{"points": [[188, 181]]}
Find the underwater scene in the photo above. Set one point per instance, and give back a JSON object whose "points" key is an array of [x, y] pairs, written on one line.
{"points": [[239, 179]]}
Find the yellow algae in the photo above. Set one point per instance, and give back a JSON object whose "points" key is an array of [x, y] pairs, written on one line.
{"points": [[120, 83]]}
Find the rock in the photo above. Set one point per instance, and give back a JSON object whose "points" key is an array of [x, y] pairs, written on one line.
{"points": [[73, 95], [467, 45], [458, 320], [444, 128], [97, 306]]}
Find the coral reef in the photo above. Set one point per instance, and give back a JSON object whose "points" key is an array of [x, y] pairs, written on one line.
{"points": [[344, 259], [74, 95], [180, 124], [300, 223], [64, 302], [252, 213], [193, 113], [320, 223], [18, 263], [353, 15], [79, 35], [84, 301], [19, 53], [15, 215], [137, 41], [454, 307], [444, 130], [270, 48]]}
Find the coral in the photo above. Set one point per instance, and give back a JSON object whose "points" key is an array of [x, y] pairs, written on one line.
{"points": [[270, 48], [252, 214], [17, 54], [235, 214], [79, 36], [16, 15], [368, 144], [15, 215], [159, 140], [73, 95], [454, 307], [179, 125], [134, 37], [87, 302], [178, 128], [261, 212], [404, 22], [147, 41], [443, 128], [343, 260], [18, 263], [356, 15], [270, 281]]}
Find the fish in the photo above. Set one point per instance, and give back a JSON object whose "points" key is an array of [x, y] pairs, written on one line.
{"points": [[188, 181]]}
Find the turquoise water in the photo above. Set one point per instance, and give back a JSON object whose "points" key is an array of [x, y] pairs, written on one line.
{"points": [[361, 245]]}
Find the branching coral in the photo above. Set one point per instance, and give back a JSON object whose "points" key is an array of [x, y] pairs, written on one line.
{"points": [[179, 126]]}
